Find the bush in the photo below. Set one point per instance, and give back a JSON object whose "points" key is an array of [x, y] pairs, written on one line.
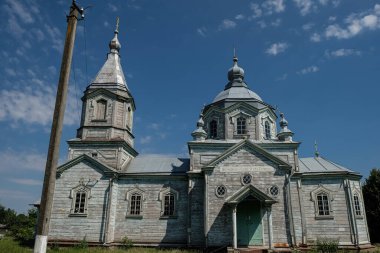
{"points": [[126, 242], [327, 245], [83, 244]]}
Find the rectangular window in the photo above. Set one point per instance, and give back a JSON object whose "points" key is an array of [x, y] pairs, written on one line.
{"points": [[323, 205], [80, 202], [169, 204], [135, 204], [357, 205]]}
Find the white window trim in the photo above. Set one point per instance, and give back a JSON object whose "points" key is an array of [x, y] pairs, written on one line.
{"points": [[242, 178], [128, 197], [161, 198], [73, 192], [330, 198], [360, 199]]}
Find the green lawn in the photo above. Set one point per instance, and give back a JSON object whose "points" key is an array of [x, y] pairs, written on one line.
{"points": [[8, 245]]}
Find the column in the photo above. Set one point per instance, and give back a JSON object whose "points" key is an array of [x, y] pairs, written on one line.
{"points": [[234, 227], [270, 229]]}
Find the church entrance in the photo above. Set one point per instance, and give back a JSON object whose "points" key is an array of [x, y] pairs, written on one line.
{"points": [[249, 227]]}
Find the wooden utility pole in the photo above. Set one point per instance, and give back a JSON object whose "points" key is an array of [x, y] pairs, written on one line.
{"points": [[40, 243]]}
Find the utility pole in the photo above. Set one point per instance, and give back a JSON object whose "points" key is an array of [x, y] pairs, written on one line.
{"points": [[40, 243]]}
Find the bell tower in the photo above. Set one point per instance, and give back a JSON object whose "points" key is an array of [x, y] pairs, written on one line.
{"points": [[105, 131]]}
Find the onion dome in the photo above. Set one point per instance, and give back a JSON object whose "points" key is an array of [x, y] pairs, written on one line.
{"points": [[285, 134], [235, 73], [199, 134], [114, 43]]}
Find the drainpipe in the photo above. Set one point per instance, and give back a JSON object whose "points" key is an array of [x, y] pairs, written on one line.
{"points": [[206, 209]]}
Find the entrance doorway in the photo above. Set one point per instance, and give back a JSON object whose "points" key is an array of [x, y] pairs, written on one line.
{"points": [[249, 227]]}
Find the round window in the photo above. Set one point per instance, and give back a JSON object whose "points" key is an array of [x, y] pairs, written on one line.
{"points": [[247, 179], [274, 191], [221, 191]]}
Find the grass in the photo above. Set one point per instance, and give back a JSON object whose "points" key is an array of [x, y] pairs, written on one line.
{"points": [[7, 244]]}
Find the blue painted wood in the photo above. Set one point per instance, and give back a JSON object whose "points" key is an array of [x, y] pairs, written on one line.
{"points": [[249, 228]]}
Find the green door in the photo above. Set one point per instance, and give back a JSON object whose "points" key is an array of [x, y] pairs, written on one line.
{"points": [[249, 229]]}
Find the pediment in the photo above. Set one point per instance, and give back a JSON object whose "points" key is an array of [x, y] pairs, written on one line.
{"points": [[249, 147], [250, 190], [85, 159]]}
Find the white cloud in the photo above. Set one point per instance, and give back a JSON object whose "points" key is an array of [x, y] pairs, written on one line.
{"points": [[154, 126], [315, 37], [10, 72], [146, 139], [311, 69], [22, 161], [355, 24], [202, 31], [227, 24], [283, 77], [262, 24], [55, 37], [257, 12], [307, 26], [26, 181], [112, 7], [343, 52], [305, 6], [276, 22], [4, 193], [106, 24], [273, 6], [277, 48], [34, 104], [239, 17], [24, 13]]}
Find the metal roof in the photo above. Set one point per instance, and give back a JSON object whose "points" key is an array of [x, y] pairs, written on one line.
{"points": [[158, 164], [319, 164], [239, 92]]}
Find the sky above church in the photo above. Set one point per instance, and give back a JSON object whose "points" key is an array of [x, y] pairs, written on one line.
{"points": [[317, 61]]}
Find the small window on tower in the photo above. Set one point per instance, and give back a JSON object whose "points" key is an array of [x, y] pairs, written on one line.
{"points": [[267, 130], [101, 106], [213, 129], [241, 126]]}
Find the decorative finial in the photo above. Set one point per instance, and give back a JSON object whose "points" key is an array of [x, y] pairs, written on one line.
{"points": [[117, 25], [235, 59], [316, 153], [285, 133], [199, 134]]}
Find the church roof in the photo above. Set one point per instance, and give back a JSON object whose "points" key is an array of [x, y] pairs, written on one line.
{"points": [[319, 164], [237, 93], [111, 74], [158, 164], [236, 88]]}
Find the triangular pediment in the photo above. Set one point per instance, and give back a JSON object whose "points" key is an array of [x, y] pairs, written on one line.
{"points": [[250, 147], [250, 190], [85, 158]]}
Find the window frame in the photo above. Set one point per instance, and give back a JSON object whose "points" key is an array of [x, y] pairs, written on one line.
{"points": [[267, 130], [128, 197], [162, 197], [99, 117], [322, 191], [81, 188], [241, 125], [357, 205], [213, 129]]}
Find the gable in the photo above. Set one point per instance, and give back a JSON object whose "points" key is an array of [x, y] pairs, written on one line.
{"points": [[94, 164], [246, 153]]}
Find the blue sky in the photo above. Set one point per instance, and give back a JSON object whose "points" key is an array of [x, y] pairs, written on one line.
{"points": [[318, 61]]}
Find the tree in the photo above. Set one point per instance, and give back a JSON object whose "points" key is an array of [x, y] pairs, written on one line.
{"points": [[20, 226], [371, 194]]}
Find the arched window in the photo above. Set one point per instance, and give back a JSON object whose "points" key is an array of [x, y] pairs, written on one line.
{"points": [[168, 197], [213, 129], [241, 125], [267, 130], [79, 196], [358, 210], [323, 204], [135, 204], [169, 204], [101, 106]]}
